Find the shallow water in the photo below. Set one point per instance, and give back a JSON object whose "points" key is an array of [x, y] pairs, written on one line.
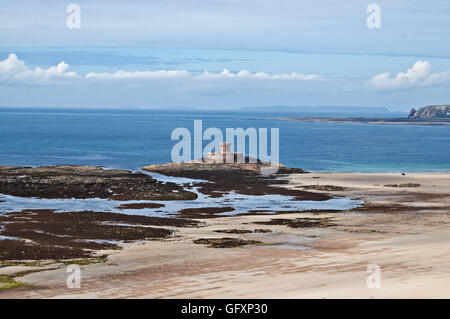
{"points": [[291, 242], [9, 238], [241, 203]]}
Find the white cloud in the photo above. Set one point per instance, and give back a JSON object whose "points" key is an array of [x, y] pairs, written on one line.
{"points": [[15, 69], [12, 65], [12, 68], [262, 75], [225, 74], [138, 74], [419, 75]]}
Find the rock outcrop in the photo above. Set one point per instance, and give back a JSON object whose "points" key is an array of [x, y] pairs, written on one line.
{"points": [[243, 179], [86, 182], [430, 112]]}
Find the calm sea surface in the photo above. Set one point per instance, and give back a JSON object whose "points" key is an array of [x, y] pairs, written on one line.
{"points": [[131, 139]]}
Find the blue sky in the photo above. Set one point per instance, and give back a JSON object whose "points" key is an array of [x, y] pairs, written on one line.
{"points": [[224, 54]]}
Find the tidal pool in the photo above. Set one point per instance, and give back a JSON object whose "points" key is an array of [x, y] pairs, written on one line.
{"points": [[241, 203]]}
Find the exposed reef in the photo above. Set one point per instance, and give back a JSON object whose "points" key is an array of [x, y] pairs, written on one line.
{"points": [[86, 182], [244, 179], [140, 206], [300, 222], [225, 242], [44, 234]]}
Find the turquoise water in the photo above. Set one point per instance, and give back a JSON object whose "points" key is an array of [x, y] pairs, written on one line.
{"points": [[131, 139]]}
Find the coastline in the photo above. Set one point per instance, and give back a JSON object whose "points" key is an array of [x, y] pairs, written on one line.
{"points": [[374, 121], [305, 254]]}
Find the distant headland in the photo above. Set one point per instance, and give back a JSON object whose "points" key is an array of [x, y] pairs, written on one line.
{"points": [[431, 112]]}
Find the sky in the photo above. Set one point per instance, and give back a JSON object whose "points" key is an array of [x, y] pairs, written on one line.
{"points": [[224, 54]]}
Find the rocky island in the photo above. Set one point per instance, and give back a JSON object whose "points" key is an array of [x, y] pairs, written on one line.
{"points": [[227, 172], [239, 178]]}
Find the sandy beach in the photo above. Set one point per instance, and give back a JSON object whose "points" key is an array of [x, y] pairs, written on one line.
{"points": [[403, 230]]}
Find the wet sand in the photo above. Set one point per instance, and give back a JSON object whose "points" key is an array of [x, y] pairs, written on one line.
{"points": [[404, 230]]}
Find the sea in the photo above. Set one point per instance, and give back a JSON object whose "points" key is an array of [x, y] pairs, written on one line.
{"points": [[131, 138]]}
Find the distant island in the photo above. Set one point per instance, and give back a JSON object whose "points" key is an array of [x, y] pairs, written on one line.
{"points": [[427, 115]]}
